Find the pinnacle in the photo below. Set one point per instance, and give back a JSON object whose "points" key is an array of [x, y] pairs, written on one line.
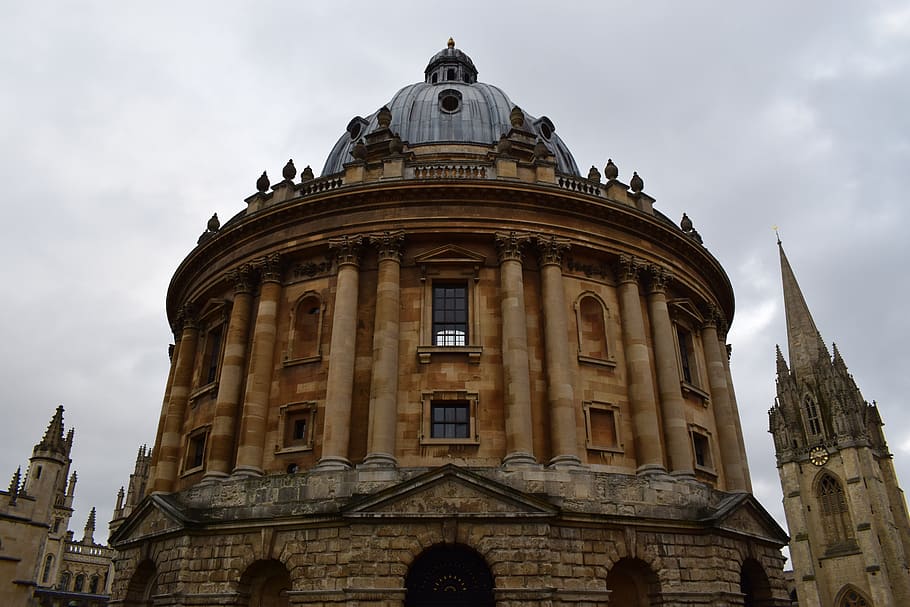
{"points": [[53, 439]]}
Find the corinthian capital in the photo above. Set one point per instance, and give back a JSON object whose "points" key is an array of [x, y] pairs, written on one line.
{"points": [[242, 279], [388, 244], [658, 278], [711, 317], [510, 245], [270, 267], [627, 268], [347, 249], [186, 319], [551, 249]]}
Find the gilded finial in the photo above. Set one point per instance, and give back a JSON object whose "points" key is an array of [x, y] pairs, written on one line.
{"points": [[451, 43], [776, 233]]}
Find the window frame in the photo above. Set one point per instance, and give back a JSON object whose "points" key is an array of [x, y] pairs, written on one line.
{"points": [[192, 437], [287, 414], [812, 417], [696, 435], [590, 408], [290, 357], [440, 398], [609, 360], [449, 264], [213, 321]]}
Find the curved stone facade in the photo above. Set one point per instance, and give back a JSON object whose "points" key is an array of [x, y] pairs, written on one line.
{"points": [[450, 344]]}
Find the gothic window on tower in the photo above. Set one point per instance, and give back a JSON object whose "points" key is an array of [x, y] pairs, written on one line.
{"points": [[602, 426], [64, 581], [48, 564], [196, 443], [295, 426], [93, 585], [79, 584], [813, 422], [592, 319], [835, 515], [306, 330], [449, 417]]}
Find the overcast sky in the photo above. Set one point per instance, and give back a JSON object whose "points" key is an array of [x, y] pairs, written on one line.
{"points": [[125, 125]]}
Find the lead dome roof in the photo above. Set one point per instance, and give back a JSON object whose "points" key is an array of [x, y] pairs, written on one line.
{"points": [[450, 105]]}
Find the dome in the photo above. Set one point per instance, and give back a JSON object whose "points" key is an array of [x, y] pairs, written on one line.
{"points": [[450, 105]]}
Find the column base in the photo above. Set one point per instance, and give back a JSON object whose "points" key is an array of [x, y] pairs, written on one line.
{"points": [[333, 462], [651, 470], [565, 462], [519, 460], [379, 460], [683, 475], [246, 472], [214, 477]]}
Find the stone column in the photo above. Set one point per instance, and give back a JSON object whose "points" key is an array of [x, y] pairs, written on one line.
{"points": [[259, 379], [672, 405], [726, 349], [515, 367], [560, 391], [153, 466], [227, 402], [723, 409], [384, 382], [169, 446], [340, 382], [648, 446]]}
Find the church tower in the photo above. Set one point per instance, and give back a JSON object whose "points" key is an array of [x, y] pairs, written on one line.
{"points": [[849, 529]]}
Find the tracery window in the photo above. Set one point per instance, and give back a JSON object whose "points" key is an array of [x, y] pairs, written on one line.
{"points": [[64, 581], [852, 598], [812, 420], [48, 563], [80, 583], [835, 514]]}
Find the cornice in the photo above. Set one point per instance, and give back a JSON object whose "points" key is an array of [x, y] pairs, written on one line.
{"points": [[368, 198]]}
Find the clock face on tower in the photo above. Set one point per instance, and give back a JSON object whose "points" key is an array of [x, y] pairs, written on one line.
{"points": [[818, 456]]}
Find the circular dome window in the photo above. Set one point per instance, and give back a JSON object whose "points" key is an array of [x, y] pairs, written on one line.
{"points": [[356, 127], [450, 101], [545, 127]]}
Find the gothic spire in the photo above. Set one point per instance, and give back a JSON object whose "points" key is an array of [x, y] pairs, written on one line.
{"points": [[782, 370], [53, 439], [89, 535], [803, 339]]}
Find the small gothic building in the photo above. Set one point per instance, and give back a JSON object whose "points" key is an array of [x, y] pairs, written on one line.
{"points": [[451, 370], [850, 533]]}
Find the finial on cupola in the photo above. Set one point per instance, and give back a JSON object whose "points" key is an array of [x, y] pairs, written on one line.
{"points": [[611, 171], [594, 174], [307, 174], [517, 117], [384, 117], [263, 183], [214, 224], [451, 42], [636, 183], [685, 223], [289, 171]]}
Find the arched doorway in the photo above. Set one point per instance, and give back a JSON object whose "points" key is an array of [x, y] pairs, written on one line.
{"points": [[754, 584], [266, 583], [632, 583], [142, 586], [449, 575]]}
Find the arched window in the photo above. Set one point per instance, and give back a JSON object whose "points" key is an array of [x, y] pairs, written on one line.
{"points": [[835, 516], [813, 423], [592, 319], [79, 583], [93, 585], [449, 575], [64, 581], [307, 328], [48, 563]]}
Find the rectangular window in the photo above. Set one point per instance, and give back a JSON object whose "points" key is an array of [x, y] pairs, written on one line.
{"points": [[450, 419], [701, 450], [195, 449], [212, 353], [686, 352], [295, 426], [602, 426], [450, 314]]}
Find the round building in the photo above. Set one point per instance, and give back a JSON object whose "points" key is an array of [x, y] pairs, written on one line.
{"points": [[451, 370]]}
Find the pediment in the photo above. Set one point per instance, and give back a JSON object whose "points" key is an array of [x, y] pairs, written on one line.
{"points": [[154, 517], [743, 514], [450, 491], [687, 309], [451, 255]]}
